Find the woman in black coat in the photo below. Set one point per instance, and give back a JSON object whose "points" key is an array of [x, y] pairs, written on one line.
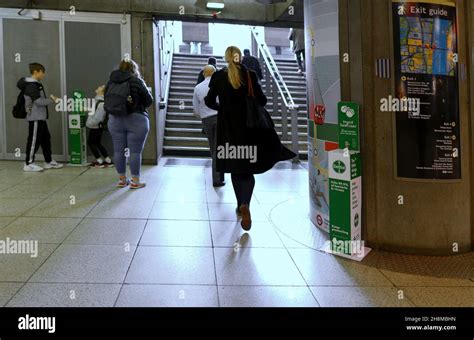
{"points": [[241, 151]]}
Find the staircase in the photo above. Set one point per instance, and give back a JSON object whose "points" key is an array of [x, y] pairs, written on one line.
{"points": [[297, 85], [183, 131]]}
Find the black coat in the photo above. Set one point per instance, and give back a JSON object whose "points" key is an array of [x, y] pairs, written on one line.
{"points": [[253, 64], [200, 77], [141, 96], [232, 129]]}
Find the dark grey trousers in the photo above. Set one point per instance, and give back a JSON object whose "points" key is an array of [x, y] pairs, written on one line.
{"points": [[209, 125]]}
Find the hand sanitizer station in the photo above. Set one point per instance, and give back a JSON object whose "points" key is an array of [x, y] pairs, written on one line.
{"points": [[77, 131], [345, 187]]}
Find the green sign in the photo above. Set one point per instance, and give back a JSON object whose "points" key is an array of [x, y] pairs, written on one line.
{"points": [[77, 131], [345, 200], [348, 115], [79, 98]]}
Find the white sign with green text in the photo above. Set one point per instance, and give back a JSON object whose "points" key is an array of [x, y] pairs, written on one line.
{"points": [[345, 188], [345, 199], [77, 133]]}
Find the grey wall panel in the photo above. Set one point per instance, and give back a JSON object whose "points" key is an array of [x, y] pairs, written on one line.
{"points": [[36, 41], [93, 50]]}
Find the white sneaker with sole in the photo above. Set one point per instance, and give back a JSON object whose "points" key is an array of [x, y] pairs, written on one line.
{"points": [[32, 167], [53, 165]]}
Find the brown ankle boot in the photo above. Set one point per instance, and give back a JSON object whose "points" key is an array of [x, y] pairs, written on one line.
{"points": [[246, 222]]}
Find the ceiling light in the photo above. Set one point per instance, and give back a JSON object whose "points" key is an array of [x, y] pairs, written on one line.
{"points": [[215, 5]]}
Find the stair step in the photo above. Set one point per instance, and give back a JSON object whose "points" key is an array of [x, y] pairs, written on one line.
{"points": [[188, 106], [196, 66], [177, 97], [203, 142], [187, 77], [182, 122], [184, 132], [186, 148], [197, 56], [186, 141], [182, 128], [182, 117], [205, 57], [184, 86], [300, 143], [187, 93], [187, 116], [195, 71]]}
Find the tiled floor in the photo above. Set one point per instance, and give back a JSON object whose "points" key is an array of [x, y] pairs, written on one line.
{"points": [[178, 243]]}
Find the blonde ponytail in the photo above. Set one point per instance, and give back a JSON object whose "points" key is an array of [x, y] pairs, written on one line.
{"points": [[233, 56]]}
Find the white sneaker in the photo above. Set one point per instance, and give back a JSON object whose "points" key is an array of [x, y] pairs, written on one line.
{"points": [[53, 165], [32, 167]]}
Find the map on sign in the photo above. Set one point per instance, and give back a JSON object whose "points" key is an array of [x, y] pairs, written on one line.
{"points": [[427, 42]]}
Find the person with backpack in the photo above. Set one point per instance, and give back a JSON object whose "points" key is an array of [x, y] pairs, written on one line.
{"points": [[126, 100], [96, 122], [32, 104]]}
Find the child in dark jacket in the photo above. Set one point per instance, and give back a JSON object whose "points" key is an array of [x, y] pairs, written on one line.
{"points": [[95, 122], [36, 105]]}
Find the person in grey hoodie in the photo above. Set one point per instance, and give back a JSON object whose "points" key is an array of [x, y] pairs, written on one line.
{"points": [[36, 105], [95, 122]]}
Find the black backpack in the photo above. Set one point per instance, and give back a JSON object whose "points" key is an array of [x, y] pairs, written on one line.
{"points": [[117, 99], [19, 110]]}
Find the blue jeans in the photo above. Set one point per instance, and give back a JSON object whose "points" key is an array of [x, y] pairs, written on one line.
{"points": [[129, 134]]}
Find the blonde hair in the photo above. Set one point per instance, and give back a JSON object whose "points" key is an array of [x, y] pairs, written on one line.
{"points": [[208, 70], [233, 55]]}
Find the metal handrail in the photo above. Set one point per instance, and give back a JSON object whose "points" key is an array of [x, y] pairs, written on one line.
{"points": [[273, 69], [272, 73], [166, 63]]}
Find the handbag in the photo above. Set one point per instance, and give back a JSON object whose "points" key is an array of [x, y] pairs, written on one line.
{"points": [[257, 116]]}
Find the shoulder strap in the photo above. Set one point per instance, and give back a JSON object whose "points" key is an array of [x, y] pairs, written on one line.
{"points": [[249, 85], [97, 103]]}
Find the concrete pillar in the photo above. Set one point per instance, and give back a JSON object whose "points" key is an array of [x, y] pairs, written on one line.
{"points": [[435, 216], [143, 54]]}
